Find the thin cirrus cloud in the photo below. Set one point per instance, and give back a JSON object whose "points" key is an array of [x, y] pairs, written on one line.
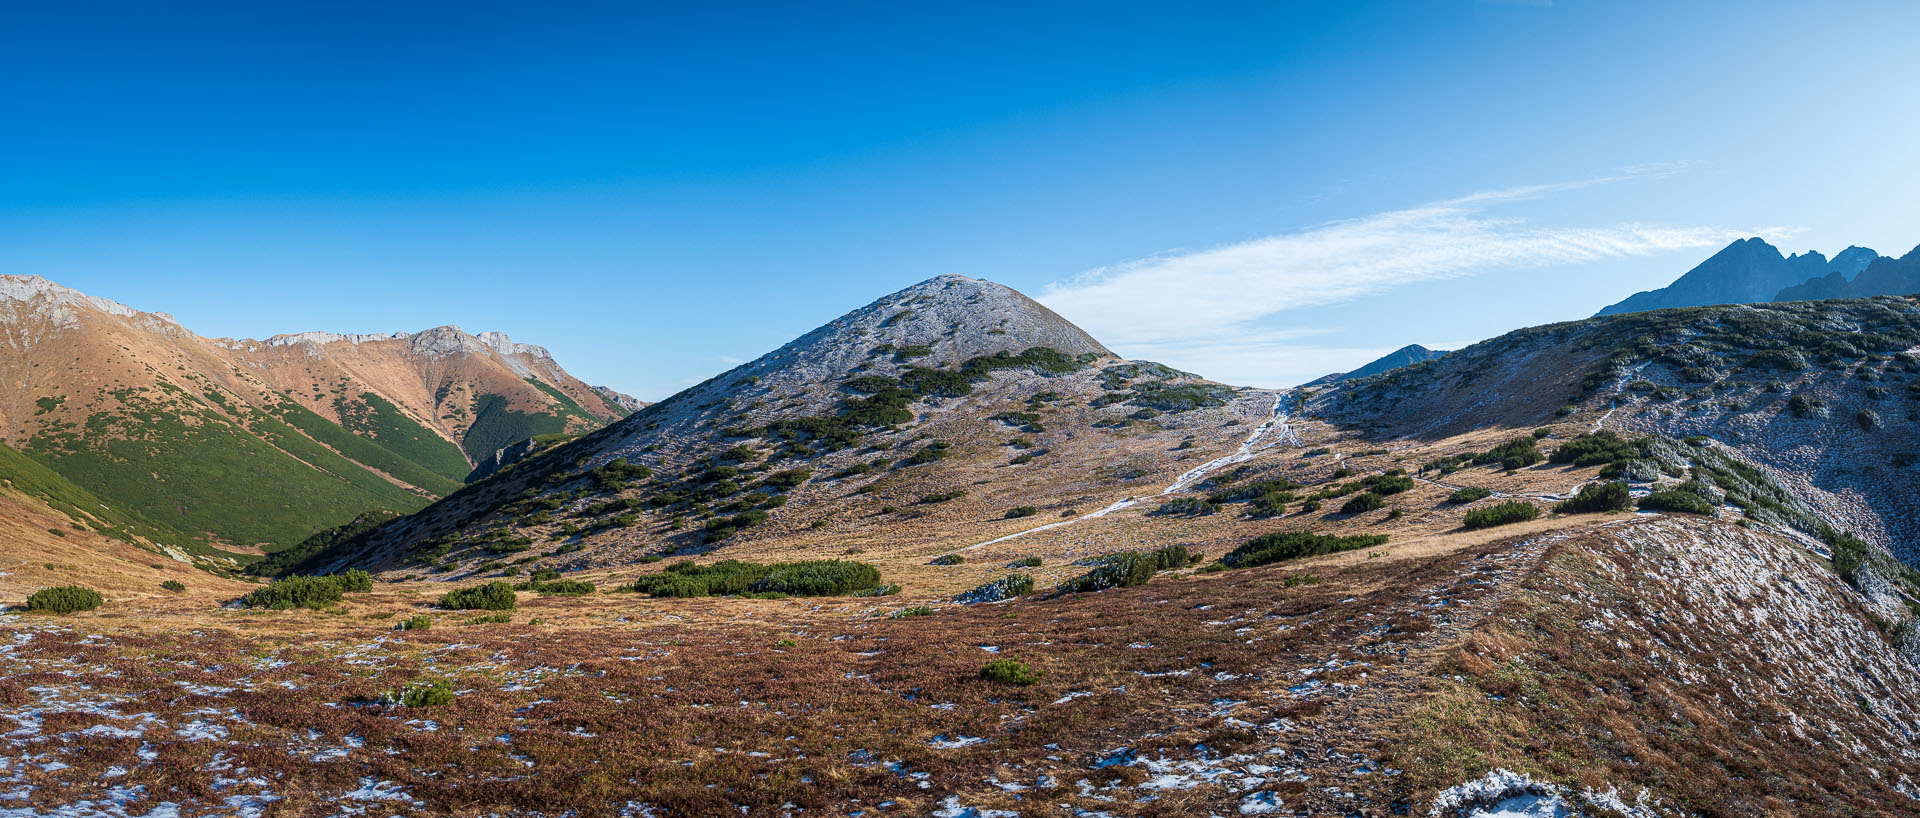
{"points": [[1196, 306]]}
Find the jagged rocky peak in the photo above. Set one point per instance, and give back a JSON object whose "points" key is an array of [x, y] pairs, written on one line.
{"points": [[620, 399], [444, 340], [47, 299]]}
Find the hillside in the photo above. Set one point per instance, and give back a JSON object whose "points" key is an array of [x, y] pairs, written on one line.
{"points": [[1824, 395], [952, 387], [1746, 271], [245, 445]]}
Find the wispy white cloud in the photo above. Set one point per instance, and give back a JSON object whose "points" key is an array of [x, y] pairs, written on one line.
{"points": [[1203, 310], [1188, 295]]}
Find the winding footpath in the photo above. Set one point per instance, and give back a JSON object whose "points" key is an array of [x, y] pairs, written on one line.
{"points": [[1275, 431]]}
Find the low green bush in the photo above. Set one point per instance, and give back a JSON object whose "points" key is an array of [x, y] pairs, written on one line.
{"points": [[948, 559], [1597, 448], [492, 596], [1126, 569], [427, 694], [1519, 452], [1022, 511], [916, 610], [417, 622], [1362, 503], [307, 592], [1679, 500], [1388, 484], [1511, 511], [733, 577], [1004, 588], [174, 585], [1592, 497], [1469, 494], [64, 599], [1186, 507], [1009, 671], [1025, 562], [1288, 545], [564, 587]]}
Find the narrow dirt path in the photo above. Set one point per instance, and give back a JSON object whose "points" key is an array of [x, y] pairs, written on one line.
{"points": [[1276, 431]]}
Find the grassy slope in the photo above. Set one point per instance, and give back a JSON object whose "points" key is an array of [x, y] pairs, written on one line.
{"points": [[82, 506], [374, 418], [495, 426], [371, 453], [188, 467]]}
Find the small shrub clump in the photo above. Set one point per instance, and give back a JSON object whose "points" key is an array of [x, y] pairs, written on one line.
{"points": [[1608, 496], [564, 587], [1009, 671], [1186, 507], [948, 559], [308, 592], [1597, 448], [733, 577], [1126, 569], [427, 694], [1289, 545], [417, 622], [1677, 499], [1362, 503], [1004, 588], [174, 585], [62, 599], [1511, 511], [1022, 511], [1469, 494], [492, 596]]}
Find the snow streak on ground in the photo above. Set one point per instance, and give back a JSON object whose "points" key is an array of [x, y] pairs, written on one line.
{"points": [[1275, 431]]}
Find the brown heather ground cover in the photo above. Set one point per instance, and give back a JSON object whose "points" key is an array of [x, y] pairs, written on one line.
{"points": [[701, 716], [1591, 650]]}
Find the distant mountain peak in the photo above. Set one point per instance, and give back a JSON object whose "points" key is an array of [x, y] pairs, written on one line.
{"points": [[1404, 356], [1746, 271]]}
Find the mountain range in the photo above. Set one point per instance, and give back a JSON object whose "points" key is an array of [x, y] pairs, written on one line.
{"points": [[227, 447], [1753, 271], [950, 555]]}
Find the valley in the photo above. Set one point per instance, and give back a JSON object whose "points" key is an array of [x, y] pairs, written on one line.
{"points": [[949, 555]]}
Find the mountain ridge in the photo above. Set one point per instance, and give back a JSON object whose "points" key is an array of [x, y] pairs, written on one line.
{"points": [[1404, 356], [96, 389], [1745, 271]]}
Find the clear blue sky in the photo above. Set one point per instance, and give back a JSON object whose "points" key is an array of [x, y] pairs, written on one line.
{"points": [[657, 192]]}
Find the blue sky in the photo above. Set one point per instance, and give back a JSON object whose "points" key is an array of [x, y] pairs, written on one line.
{"points": [[1260, 193]]}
